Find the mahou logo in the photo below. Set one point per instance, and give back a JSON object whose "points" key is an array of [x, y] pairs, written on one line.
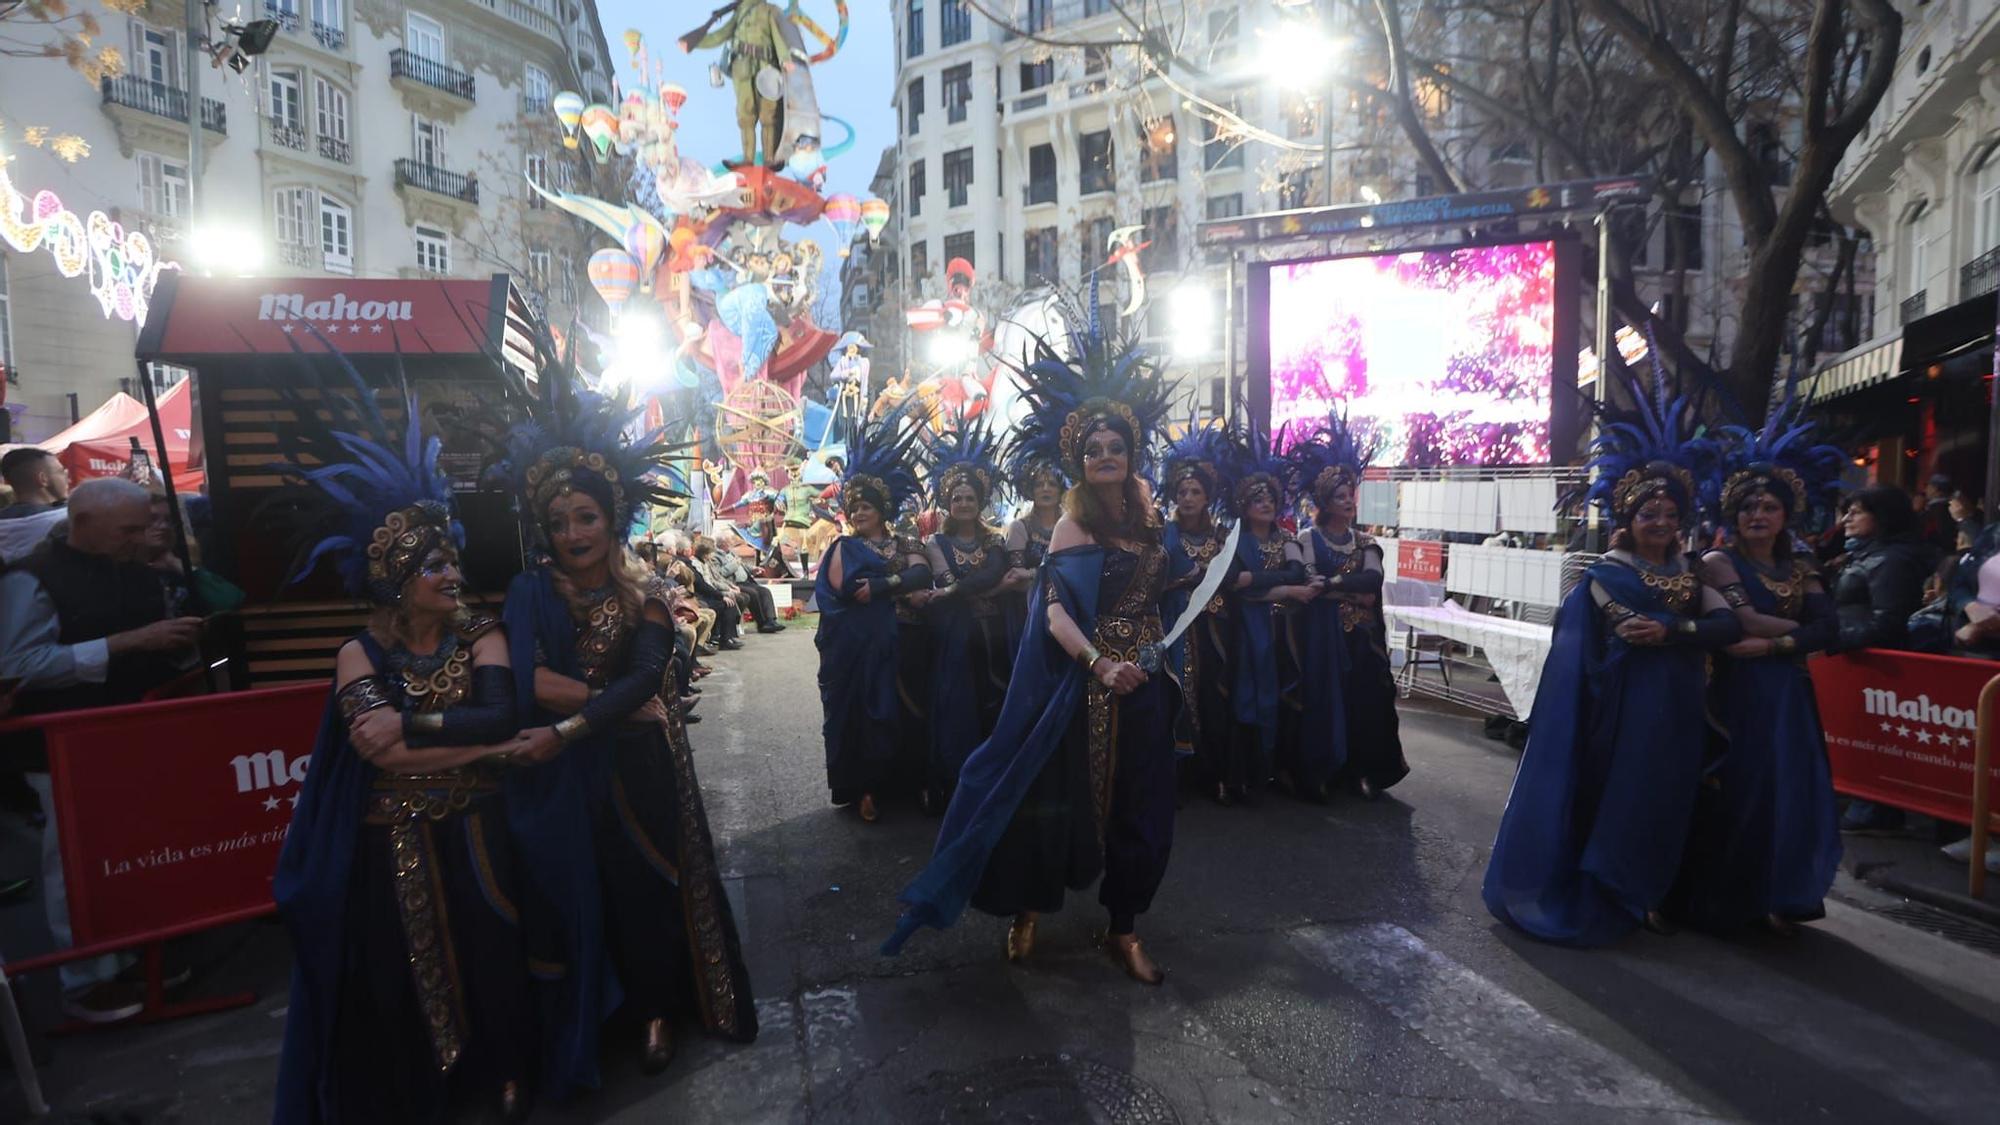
{"points": [[1880, 701], [269, 770], [294, 306]]}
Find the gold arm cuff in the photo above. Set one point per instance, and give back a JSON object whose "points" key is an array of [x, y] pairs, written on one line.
{"points": [[1088, 656], [1685, 627], [1784, 646], [427, 722], [572, 728]]}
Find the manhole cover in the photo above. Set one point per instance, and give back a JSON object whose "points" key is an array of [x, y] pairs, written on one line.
{"points": [[1052, 1088], [1944, 923]]}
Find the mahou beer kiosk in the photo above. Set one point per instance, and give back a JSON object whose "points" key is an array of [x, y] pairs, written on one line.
{"points": [[459, 343]]}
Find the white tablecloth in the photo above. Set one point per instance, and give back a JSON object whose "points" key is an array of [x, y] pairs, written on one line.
{"points": [[1516, 649]]}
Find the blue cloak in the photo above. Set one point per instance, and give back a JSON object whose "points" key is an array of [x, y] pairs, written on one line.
{"points": [[548, 812], [1256, 690], [1042, 697], [1595, 826], [1326, 663], [857, 667]]}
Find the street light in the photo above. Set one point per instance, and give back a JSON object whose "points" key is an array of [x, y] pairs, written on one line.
{"points": [[229, 250], [1193, 308], [1299, 56]]}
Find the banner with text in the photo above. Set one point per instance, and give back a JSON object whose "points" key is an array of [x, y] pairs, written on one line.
{"points": [[1901, 727], [1421, 559], [173, 812]]}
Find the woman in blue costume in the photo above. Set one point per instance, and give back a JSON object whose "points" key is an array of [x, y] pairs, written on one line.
{"points": [[1270, 579], [1347, 735], [1200, 658], [968, 560], [592, 631], [1595, 827], [1041, 483], [1078, 778], [415, 930], [864, 584], [1766, 841]]}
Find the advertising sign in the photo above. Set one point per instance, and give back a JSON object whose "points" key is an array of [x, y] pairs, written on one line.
{"points": [[218, 316], [1421, 559], [174, 812], [1901, 727]]}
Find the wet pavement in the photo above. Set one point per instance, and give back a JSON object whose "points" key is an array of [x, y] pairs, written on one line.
{"points": [[1326, 964]]}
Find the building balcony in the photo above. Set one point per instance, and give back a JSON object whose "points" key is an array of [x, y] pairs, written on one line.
{"points": [[300, 254], [437, 181], [328, 36], [535, 15], [1913, 308], [406, 67], [1979, 276], [536, 106], [287, 17], [336, 150], [285, 133], [161, 100]]}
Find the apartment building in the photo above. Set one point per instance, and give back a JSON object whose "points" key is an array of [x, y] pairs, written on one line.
{"points": [[372, 139]]}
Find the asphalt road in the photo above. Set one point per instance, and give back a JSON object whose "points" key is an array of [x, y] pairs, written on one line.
{"points": [[1326, 964]]}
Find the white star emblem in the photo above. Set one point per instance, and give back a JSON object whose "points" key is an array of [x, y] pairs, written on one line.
{"points": [[288, 329], [353, 328], [1886, 728], [270, 804], [1964, 741], [1924, 737], [295, 800], [375, 328], [1903, 732]]}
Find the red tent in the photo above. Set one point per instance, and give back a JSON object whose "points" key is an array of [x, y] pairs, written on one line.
{"points": [[100, 444]]}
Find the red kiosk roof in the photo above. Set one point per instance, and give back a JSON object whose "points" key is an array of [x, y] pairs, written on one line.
{"points": [[195, 317]]}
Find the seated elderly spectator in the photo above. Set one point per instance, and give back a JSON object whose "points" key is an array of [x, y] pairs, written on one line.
{"points": [[728, 614], [83, 623], [676, 567], [731, 576]]}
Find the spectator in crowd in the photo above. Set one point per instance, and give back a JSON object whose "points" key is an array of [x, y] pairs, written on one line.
{"points": [[728, 572], [1877, 590], [1939, 529], [728, 615], [1966, 513], [39, 481], [678, 570], [84, 624]]}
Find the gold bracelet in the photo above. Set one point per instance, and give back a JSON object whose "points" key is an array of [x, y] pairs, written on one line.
{"points": [[1783, 646], [1088, 656], [572, 728], [427, 722]]}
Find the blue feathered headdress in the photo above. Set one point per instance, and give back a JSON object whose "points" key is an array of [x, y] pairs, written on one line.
{"points": [[1331, 457], [1255, 468], [576, 439], [362, 495], [1104, 383], [1646, 452], [880, 466], [964, 452], [1780, 459], [1205, 453]]}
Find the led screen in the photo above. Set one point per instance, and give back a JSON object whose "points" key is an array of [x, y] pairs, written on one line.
{"points": [[1445, 356]]}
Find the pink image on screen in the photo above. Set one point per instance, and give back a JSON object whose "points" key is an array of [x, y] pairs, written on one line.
{"points": [[1443, 357]]}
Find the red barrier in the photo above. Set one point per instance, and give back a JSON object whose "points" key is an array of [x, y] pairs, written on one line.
{"points": [[1901, 728], [172, 813]]}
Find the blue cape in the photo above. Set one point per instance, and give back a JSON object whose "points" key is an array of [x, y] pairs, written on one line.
{"points": [[1256, 690], [548, 812], [857, 652], [1042, 696]]}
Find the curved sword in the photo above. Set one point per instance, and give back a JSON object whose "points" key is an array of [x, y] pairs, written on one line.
{"points": [[1151, 657]]}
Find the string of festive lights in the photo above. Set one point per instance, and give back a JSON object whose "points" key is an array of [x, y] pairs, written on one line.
{"points": [[120, 265]]}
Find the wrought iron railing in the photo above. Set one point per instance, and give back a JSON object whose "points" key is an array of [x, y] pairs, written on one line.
{"points": [[288, 18], [433, 179], [336, 150], [330, 36], [430, 72], [1980, 275], [300, 254], [162, 100], [1913, 307], [288, 133]]}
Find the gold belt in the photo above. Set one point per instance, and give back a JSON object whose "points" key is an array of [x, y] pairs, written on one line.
{"points": [[1122, 637], [397, 797]]}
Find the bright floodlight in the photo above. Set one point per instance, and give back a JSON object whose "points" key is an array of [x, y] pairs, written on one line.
{"points": [[949, 349], [1193, 309], [1298, 55], [228, 249]]}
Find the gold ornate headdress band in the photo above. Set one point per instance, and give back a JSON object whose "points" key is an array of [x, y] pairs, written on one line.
{"points": [[1081, 422], [1780, 482], [401, 544], [558, 471]]}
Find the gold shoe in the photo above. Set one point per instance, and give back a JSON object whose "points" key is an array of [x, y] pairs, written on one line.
{"points": [[869, 814], [1131, 956], [659, 1047], [1021, 937]]}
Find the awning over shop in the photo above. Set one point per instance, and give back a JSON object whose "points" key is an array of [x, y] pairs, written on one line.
{"points": [[1866, 366], [1964, 327]]}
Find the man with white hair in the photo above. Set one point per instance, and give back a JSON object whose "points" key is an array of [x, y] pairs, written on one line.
{"points": [[84, 624]]}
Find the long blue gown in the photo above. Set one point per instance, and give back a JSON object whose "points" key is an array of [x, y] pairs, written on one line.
{"points": [[860, 660], [1258, 680], [1348, 730], [1200, 656], [1598, 819], [969, 654], [1767, 828]]}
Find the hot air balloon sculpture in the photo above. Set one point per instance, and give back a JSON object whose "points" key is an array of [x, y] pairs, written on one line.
{"points": [[614, 274], [842, 212], [600, 126], [646, 243], [569, 110], [673, 97], [874, 216]]}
